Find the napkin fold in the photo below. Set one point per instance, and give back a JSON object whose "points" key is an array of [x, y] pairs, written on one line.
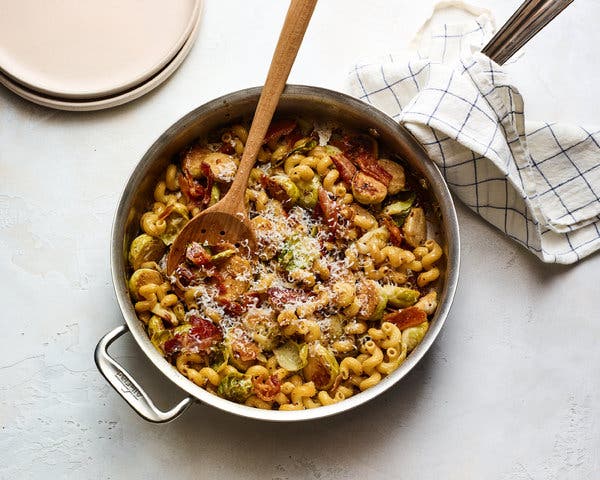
{"points": [[537, 182]]}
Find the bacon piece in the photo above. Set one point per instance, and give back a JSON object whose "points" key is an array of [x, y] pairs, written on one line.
{"points": [[203, 335], [345, 167], [210, 180], [329, 209], [227, 148], [368, 164], [203, 329], [266, 388], [406, 318], [197, 255], [280, 297], [395, 232], [279, 128], [192, 190]]}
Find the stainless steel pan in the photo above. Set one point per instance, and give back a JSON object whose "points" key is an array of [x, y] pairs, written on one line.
{"points": [[309, 102]]}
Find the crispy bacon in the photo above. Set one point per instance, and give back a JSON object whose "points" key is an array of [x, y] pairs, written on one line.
{"points": [[345, 167], [368, 164], [266, 388], [359, 149], [203, 335], [279, 128], [197, 255], [227, 148], [183, 276], [395, 233], [239, 306], [406, 318], [210, 180], [192, 190], [329, 209]]}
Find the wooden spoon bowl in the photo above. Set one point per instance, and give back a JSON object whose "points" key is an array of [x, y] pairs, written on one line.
{"points": [[227, 220]]}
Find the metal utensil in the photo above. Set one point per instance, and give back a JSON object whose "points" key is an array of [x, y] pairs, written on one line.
{"points": [[528, 20], [324, 106], [227, 220]]}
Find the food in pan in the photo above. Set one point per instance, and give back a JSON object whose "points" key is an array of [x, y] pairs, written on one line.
{"points": [[338, 290]]}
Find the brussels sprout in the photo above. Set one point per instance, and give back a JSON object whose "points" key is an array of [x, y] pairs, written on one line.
{"points": [[412, 336], [240, 351], [288, 186], [155, 325], [309, 192], [302, 146], [235, 387], [262, 327], [145, 249], [235, 279], [292, 356], [215, 194], [397, 172], [367, 190], [223, 255], [192, 162], [298, 252], [400, 297], [176, 220], [222, 166], [400, 208], [380, 235], [322, 368], [372, 300], [415, 227], [141, 277], [158, 340]]}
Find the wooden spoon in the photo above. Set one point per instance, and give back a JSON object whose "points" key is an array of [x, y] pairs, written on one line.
{"points": [[227, 220]]}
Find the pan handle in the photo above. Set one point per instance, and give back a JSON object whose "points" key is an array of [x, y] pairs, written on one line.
{"points": [[127, 387]]}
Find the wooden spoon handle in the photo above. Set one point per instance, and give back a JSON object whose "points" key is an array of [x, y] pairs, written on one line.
{"points": [[290, 38]]}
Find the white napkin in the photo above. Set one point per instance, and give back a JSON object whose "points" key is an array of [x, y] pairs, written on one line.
{"points": [[537, 182]]}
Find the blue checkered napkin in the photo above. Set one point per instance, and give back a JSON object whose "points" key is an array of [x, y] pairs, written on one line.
{"points": [[537, 182]]}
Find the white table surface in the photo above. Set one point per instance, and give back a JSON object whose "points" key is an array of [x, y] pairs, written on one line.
{"points": [[510, 389]]}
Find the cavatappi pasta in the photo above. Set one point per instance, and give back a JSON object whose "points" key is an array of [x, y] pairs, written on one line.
{"points": [[336, 294]]}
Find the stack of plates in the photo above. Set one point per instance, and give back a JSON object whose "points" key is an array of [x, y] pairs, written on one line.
{"points": [[92, 54]]}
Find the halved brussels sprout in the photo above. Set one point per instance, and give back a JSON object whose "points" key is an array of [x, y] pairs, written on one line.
{"points": [[309, 192], [298, 252], [292, 356], [397, 172], [412, 336], [223, 255], [222, 166], [215, 194], [145, 248], [141, 277], [400, 208], [302, 146], [235, 387], [322, 368], [176, 220], [367, 190], [400, 297], [288, 186], [372, 300], [262, 327], [415, 227], [192, 162]]}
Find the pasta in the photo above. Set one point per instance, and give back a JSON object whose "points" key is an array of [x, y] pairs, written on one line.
{"points": [[337, 293]]}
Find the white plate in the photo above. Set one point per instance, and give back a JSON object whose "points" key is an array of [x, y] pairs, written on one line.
{"points": [[107, 102], [85, 49]]}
